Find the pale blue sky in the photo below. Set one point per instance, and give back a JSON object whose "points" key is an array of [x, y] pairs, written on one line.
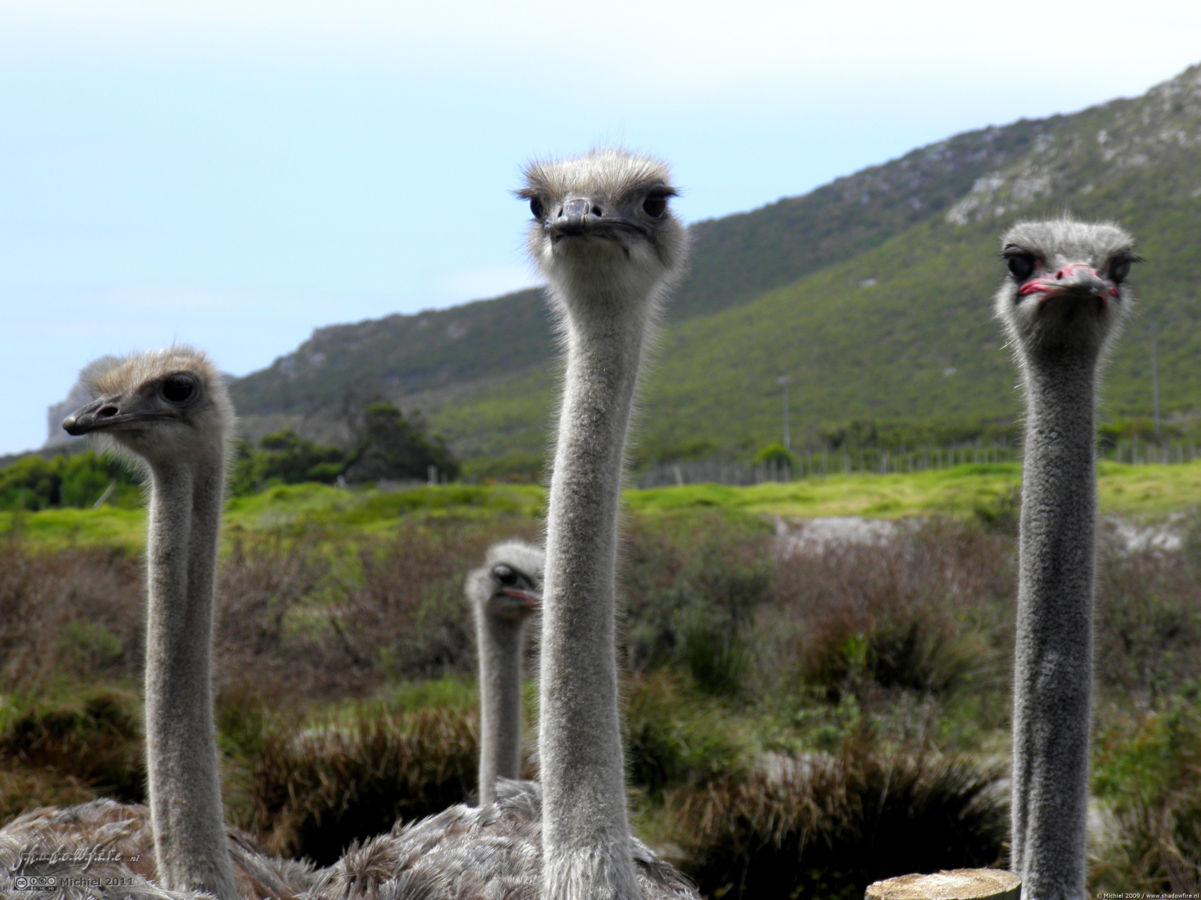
{"points": [[236, 174]]}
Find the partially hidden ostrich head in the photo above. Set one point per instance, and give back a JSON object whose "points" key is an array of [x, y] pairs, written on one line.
{"points": [[507, 588], [603, 230], [1065, 291], [159, 408]]}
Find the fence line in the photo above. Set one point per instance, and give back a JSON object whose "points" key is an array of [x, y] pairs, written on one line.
{"points": [[885, 462]]}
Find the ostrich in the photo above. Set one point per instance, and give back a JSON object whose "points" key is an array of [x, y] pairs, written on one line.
{"points": [[607, 243], [1062, 305], [603, 236], [169, 412], [503, 594]]}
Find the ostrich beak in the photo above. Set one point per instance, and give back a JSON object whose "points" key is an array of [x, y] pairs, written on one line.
{"points": [[119, 412], [1074, 278], [581, 216], [529, 600], [97, 415], [576, 218], [577, 208]]}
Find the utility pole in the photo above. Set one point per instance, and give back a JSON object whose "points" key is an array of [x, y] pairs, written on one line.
{"points": [[783, 381], [1155, 376]]}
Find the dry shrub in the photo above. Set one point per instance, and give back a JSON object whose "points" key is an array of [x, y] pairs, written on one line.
{"points": [[928, 610], [689, 593], [68, 613], [824, 827], [1147, 752], [329, 618], [312, 792], [1148, 620], [261, 595], [408, 611], [70, 616]]}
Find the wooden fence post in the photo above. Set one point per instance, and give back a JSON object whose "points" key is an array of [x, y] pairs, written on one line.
{"points": [[959, 884]]}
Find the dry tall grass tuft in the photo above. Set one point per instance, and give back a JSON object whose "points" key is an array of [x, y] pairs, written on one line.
{"points": [[313, 792], [826, 826], [25, 789], [75, 750]]}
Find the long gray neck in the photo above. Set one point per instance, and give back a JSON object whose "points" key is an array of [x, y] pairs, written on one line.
{"points": [[1053, 664], [585, 829], [185, 787], [499, 646]]}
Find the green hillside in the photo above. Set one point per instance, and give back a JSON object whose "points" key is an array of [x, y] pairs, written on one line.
{"points": [[872, 294]]}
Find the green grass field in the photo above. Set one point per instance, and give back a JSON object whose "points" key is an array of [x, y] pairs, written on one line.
{"points": [[1140, 492]]}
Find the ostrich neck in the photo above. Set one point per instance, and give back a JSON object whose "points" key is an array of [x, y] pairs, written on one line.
{"points": [[185, 787], [500, 703], [585, 827], [1053, 663]]}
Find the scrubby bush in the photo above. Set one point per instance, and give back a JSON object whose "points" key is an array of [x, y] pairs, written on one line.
{"points": [[927, 611], [410, 599], [312, 792], [269, 621], [68, 613], [824, 827], [1000, 514], [1147, 771], [23, 789], [326, 617], [93, 740], [1148, 617], [673, 739], [692, 593]]}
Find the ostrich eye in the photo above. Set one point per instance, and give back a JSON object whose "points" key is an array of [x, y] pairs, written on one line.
{"points": [[1020, 264], [655, 204], [504, 575], [178, 388], [537, 208], [1119, 268]]}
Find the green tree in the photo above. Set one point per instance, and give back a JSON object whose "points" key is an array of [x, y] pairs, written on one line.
{"points": [[74, 479], [32, 483], [776, 455], [390, 446], [285, 457], [85, 477]]}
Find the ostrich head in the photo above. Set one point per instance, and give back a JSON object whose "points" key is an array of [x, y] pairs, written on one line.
{"points": [[602, 225], [506, 589], [1066, 290], [158, 406]]}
